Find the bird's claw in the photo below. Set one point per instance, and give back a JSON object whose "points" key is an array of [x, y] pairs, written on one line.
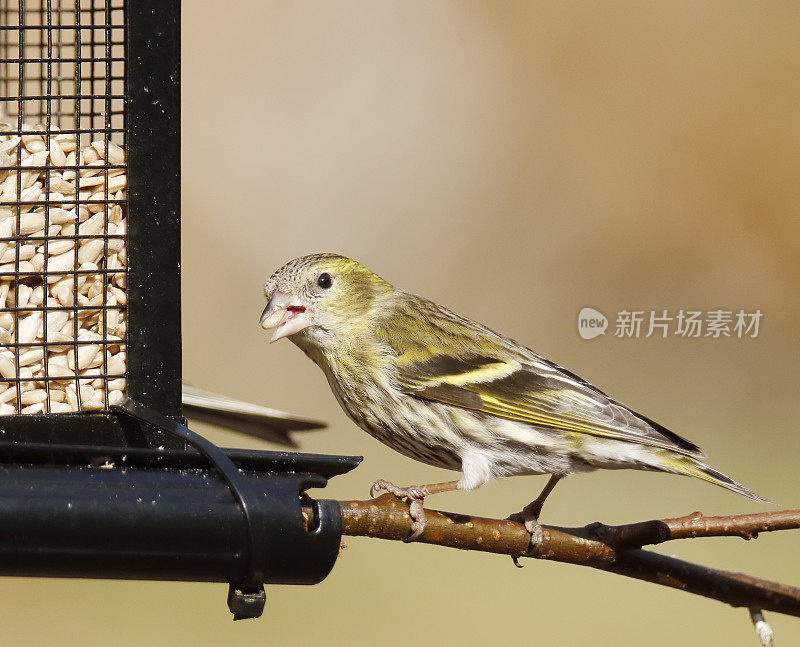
{"points": [[529, 517], [415, 496], [537, 533], [379, 485]]}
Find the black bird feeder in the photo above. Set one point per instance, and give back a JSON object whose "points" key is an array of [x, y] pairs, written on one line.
{"points": [[99, 476]]}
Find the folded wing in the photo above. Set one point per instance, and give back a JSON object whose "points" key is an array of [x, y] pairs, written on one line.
{"points": [[531, 390]]}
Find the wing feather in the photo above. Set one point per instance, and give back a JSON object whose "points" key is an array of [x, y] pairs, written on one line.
{"points": [[526, 393], [443, 357]]}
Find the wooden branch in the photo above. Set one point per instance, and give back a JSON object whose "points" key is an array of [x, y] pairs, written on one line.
{"points": [[692, 526], [598, 546]]}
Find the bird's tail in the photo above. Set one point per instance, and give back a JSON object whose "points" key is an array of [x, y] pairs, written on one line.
{"points": [[692, 467]]}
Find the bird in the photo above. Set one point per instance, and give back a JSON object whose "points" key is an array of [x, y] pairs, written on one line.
{"points": [[243, 417], [450, 392]]}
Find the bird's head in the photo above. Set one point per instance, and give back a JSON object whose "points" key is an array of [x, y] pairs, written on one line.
{"points": [[321, 298]]}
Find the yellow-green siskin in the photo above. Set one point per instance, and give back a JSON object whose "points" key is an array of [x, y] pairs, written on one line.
{"points": [[447, 391]]}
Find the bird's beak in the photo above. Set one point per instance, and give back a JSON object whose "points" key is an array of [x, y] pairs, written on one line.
{"points": [[283, 317]]}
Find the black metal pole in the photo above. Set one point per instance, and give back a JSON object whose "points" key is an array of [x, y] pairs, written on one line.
{"points": [[162, 516], [153, 152]]}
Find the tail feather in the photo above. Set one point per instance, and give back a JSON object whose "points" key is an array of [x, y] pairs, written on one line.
{"points": [[689, 467]]}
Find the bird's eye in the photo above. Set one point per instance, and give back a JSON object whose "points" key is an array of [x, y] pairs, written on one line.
{"points": [[324, 281]]}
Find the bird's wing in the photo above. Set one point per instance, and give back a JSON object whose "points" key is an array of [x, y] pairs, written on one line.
{"points": [[251, 419], [481, 371]]}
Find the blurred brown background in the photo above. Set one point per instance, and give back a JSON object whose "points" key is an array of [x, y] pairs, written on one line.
{"points": [[515, 161]]}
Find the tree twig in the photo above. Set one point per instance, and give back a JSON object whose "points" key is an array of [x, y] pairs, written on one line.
{"points": [[598, 546], [763, 630], [747, 526]]}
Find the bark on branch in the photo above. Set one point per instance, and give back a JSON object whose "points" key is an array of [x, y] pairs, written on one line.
{"points": [[616, 549]]}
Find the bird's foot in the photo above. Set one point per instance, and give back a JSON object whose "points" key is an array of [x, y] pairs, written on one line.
{"points": [[529, 517], [415, 494]]}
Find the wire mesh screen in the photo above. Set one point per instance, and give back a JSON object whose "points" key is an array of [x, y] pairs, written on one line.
{"points": [[63, 180]]}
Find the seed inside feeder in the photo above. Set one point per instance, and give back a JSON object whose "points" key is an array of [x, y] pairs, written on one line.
{"points": [[62, 273]]}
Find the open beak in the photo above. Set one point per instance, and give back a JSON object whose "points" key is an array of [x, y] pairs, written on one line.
{"points": [[282, 317]]}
